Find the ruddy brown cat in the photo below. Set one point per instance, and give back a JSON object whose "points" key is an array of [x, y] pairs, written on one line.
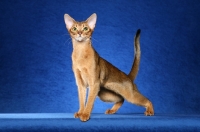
{"points": [[98, 75]]}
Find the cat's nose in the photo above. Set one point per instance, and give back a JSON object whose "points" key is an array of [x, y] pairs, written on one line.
{"points": [[79, 32]]}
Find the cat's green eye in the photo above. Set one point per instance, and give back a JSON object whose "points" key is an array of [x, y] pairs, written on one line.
{"points": [[85, 28], [74, 29]]}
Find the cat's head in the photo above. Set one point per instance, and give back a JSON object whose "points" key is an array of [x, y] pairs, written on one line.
{"points": [[80, 31]]}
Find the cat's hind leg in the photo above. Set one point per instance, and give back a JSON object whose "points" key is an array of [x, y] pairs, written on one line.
{"points": [[129, 91], [115, 107], [135, 97], [110, 96]]}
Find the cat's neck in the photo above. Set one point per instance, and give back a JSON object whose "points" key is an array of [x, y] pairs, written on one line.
{"points": [[82, 50]]}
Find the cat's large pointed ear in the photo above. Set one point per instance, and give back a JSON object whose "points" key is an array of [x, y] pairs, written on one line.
{"points": [[91, 21], [69, 21]]}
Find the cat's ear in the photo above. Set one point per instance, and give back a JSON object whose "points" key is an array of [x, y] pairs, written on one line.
{"points": [[91, 21], [69, 21]]}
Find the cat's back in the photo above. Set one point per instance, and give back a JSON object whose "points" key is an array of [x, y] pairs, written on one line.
{"points": [[109, 70]]}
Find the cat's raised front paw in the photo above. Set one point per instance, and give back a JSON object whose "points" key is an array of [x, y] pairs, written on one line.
{"points": [[85, 117], [110, 111]]}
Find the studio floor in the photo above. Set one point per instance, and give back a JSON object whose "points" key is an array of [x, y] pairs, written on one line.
{"points": [[98, 122]]}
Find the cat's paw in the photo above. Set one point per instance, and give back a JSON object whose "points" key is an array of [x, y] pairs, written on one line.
{"points": [[110, 111], [149, 113], [77, 115], [84, 117], [149, 110]]}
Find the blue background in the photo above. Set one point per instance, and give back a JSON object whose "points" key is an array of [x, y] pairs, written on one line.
{"points": [[35, 52]]}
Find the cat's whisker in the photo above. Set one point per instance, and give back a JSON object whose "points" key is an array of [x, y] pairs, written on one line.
{"points": [[94, 39], [66, 34], [67, 41]]}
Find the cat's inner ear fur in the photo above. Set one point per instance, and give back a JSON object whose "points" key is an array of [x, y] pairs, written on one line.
{"points": [[69, 21], [91, 21]]}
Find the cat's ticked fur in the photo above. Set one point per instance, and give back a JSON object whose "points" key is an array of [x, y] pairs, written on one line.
{"points": [[102, 78]]}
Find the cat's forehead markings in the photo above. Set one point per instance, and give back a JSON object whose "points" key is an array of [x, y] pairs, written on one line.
{"points": [[80, 24], [75, 25]]}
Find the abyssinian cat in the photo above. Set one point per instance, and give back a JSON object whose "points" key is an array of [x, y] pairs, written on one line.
{"points": [[98, 75]]}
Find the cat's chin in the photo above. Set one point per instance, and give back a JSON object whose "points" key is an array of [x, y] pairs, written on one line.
{"points": [[79, 39]]}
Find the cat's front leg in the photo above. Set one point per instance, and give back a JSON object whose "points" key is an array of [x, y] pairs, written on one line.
{"points": [[81, 93], [93, 91], [82, 97]]}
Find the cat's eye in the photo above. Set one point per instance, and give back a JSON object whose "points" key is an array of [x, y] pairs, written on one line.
{"points": [[74, 29], [85, 28]]}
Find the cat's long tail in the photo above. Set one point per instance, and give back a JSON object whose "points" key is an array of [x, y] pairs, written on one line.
{"points": [[137, 53]]}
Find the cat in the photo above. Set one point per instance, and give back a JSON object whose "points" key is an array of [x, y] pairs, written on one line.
{"points": [[98, 75]]}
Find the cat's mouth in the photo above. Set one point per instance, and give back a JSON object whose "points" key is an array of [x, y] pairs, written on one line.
{"points": [[80, 39]]}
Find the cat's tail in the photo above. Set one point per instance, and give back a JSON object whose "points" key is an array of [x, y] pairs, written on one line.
{"points": [[137, 53]]}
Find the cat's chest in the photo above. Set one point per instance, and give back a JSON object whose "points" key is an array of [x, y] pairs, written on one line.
{"points": [[82, 58]]}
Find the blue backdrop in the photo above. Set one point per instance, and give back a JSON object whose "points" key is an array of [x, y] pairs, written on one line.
{"points": [[35, 52]]}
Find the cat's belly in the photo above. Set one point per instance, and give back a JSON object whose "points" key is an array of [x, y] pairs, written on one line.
{"points": [[109, 96]]}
